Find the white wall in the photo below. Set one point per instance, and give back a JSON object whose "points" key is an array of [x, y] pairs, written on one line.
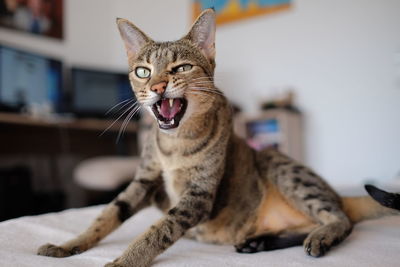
{"points": [[341, 57], [91, 35]]}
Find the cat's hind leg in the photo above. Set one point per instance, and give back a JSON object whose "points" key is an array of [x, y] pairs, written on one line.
{"points": [[271, 241], [308, 193]]}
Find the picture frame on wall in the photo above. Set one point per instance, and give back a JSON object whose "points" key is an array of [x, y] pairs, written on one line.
{"points": [[40, 17], [234, 10]]}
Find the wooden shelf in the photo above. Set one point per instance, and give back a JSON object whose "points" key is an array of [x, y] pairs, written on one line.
{"points": [[78, 124], [288, 136]]}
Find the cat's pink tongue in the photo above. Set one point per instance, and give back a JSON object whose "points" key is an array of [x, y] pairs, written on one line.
{"points": [[168, 111]]}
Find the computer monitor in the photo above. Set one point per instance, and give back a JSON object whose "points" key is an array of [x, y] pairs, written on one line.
{"points": [[94, 92], [27, 78]]}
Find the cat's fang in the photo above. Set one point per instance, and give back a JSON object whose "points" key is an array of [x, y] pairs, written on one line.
{"points": [[169, 112]]}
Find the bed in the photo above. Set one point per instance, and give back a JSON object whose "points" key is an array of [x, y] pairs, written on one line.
{"points": [[372, 243]]}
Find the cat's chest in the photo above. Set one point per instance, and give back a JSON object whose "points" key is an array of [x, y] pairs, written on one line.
{"points": [[174, 185]]}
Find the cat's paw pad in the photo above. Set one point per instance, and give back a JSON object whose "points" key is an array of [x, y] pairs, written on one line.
{"points": [[51, 250], [250, 246]]}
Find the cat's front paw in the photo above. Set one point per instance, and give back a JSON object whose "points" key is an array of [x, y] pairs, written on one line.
{"points": [[51, 250], [115, 263], [131, 262]]}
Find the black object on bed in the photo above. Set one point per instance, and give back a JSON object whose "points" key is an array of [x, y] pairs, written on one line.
{"points": [[17, 197]]}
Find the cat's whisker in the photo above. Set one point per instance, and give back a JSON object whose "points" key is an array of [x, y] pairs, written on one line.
{"points": [[204, 89], [112, 124], [201, 93], [176, 92], [205, 86], [205, 83], [126, 104], [148, 103], [120, 103], [205, 93], [145, 101], [201, 78], [126, 122], [208, 79]]}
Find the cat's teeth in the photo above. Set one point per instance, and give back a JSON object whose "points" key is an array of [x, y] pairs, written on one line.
{"points": [[158, 108], [173, 121], [171, 102]]}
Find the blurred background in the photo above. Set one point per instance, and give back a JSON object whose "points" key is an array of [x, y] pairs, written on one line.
{"points": [[319, 80]]}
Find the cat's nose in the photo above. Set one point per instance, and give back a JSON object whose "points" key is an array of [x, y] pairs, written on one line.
{"points": [[159, 88]]}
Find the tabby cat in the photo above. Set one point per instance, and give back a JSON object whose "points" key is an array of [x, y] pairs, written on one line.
{"points": [[210, 185]]}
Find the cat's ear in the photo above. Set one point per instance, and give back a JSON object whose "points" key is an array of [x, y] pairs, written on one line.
{"points": [[132, 36], [202, 33]]}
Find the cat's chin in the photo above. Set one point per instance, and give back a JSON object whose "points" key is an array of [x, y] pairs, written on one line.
{"points": [[170, 132], [169, 112]]}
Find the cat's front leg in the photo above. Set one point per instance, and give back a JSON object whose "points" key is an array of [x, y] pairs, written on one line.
{"points": [[135, 197], [194, 207]]}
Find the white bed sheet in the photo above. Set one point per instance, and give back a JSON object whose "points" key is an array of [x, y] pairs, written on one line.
{"points": [[372, 243]]}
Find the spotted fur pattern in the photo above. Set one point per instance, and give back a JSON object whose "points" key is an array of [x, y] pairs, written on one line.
{"points": [[211, 186]]}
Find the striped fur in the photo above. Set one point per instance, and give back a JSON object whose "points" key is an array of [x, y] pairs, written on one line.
{"points": [[211, 186]]}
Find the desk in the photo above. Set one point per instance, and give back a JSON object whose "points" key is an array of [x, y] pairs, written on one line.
{"points": [[52, 149], [21, 134], [83, 124]]}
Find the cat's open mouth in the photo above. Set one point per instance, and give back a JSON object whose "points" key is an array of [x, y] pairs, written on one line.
{"points": [[169, 112]]}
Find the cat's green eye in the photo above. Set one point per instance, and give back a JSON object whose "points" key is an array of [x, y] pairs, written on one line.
{"points": [[142, 72], [183, 68]]}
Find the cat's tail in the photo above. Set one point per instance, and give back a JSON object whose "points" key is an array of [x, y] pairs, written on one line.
{"points": [[379, 203]]}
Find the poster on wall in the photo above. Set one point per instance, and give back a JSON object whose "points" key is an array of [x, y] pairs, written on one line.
{"points": [[232, 10], [41, 17]]}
